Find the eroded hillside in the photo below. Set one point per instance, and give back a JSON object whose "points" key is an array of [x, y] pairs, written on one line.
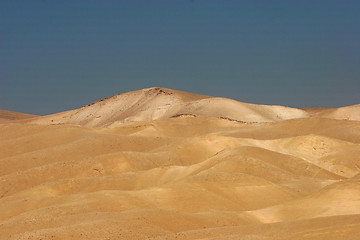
{"points": [[164, 164]]}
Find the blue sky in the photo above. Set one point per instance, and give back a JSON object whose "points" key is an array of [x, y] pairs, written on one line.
{"points": [[61, 55]]}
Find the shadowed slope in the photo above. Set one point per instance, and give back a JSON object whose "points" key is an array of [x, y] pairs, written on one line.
{"points": [[7, 116]]}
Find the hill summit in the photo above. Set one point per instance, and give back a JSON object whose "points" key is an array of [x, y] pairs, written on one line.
{"points": [[159, 103]]}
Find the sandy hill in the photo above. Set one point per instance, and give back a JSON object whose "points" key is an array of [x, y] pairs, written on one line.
{"points": [[158, 103], [346, 113], [148, 170], [6, 116], [161, 103], [349, 113]]}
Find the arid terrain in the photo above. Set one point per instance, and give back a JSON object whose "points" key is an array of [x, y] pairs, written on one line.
{"points": [[7, 116], [164, 164]]}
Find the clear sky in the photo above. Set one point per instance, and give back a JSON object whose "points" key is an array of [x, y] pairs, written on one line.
{"points": [[61, 55]]}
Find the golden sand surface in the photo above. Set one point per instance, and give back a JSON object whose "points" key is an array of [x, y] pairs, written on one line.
{"points": [[181, 173], [7, 116]]}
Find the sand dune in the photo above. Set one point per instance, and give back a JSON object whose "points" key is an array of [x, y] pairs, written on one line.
{"points": [[7, 116], [199, 168]]}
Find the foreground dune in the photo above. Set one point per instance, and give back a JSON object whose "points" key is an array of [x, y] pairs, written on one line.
{"points": [[188, 172]]}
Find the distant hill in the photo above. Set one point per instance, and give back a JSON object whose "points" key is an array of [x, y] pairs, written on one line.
{"points": [[6, 116], [162, 103], [159, 103]]}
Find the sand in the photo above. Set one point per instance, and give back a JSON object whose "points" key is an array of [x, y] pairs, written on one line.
{"points": [[7, 116], [162, 103], [196, 170]]}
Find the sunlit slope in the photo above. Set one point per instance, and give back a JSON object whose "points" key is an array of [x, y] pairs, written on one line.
{"points": [[161, 103], [343, 113], [183, 177], [349, 113]]}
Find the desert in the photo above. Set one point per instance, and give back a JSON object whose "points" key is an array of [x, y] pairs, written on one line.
{"points": [[159, 164]]}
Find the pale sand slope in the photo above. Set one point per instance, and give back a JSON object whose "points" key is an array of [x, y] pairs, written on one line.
{"points": [[348, 112], [159, 103], [180, 178], [7, 116]]}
